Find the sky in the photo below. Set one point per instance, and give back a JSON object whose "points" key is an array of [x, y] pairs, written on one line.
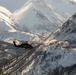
{"points": [[12, 5]]}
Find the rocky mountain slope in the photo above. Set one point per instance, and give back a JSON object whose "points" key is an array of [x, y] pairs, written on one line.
{"points": [[59, 57]]}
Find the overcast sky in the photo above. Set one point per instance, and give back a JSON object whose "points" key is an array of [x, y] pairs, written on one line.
{"points": [[12, 5]]}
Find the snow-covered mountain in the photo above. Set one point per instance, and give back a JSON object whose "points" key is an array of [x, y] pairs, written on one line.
{"points": [[5, 18], [38, 17], [35, 16], [9, 30], [57, 54], [32, 17], [59, 57], [42, 16]]}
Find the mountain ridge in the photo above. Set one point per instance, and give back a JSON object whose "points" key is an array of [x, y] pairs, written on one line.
{"points": [[59, 58]]}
